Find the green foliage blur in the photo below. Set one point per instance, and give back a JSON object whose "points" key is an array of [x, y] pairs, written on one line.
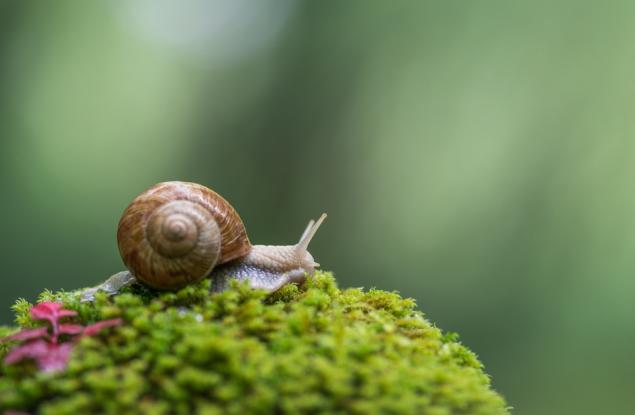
{"points": [[476, 156]]}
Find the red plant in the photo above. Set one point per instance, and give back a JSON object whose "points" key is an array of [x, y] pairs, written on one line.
{"points": [[44, 345]]}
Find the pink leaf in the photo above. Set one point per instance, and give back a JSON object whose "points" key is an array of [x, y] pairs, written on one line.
{"points": [[43, 347], [66, 313], [28, 334], [100, 325], [50, 311], [56, 359], [71, 328], [45, 311], [33, 350]]}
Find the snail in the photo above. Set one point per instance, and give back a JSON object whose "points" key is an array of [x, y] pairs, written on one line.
{"points": [[177, 233]]}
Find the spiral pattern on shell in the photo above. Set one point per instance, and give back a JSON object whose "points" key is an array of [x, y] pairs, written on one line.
{"points": [[175, 233]]}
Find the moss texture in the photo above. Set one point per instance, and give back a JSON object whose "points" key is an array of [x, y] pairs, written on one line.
{"points": [[308, 349]]}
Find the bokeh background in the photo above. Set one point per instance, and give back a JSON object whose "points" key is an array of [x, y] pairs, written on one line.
{"points": [[476, 156]]}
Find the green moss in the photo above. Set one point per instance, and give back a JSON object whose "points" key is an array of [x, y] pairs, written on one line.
{"points": [[308, 349]]}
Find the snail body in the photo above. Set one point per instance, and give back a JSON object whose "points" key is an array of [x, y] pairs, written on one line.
{"points": [[269, 267], [177, 233]]}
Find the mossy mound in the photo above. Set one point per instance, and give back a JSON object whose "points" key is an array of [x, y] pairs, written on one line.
{"points": [[308, 349]]}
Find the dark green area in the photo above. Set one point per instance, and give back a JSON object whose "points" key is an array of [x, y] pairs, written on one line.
{"points": [[308, 349]]}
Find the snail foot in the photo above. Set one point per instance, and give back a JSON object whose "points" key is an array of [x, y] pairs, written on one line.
{"points": [[111, 286]]}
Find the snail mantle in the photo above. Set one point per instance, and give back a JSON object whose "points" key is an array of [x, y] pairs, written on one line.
{"points": [[177, 233]]}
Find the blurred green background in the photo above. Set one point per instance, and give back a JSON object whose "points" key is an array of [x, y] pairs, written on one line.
{"points": [[477, 156]]}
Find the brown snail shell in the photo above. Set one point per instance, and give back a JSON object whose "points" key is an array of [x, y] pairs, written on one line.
{"points": [[176, 232]]}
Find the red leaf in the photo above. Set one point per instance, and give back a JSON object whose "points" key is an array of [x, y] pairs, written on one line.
{"points": [[33, 350], [66, 313], [70, 328], [28, 334], [50, 357], [45, 311], [100, 325], [50, 311], [56, 359], [44, 347]]}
